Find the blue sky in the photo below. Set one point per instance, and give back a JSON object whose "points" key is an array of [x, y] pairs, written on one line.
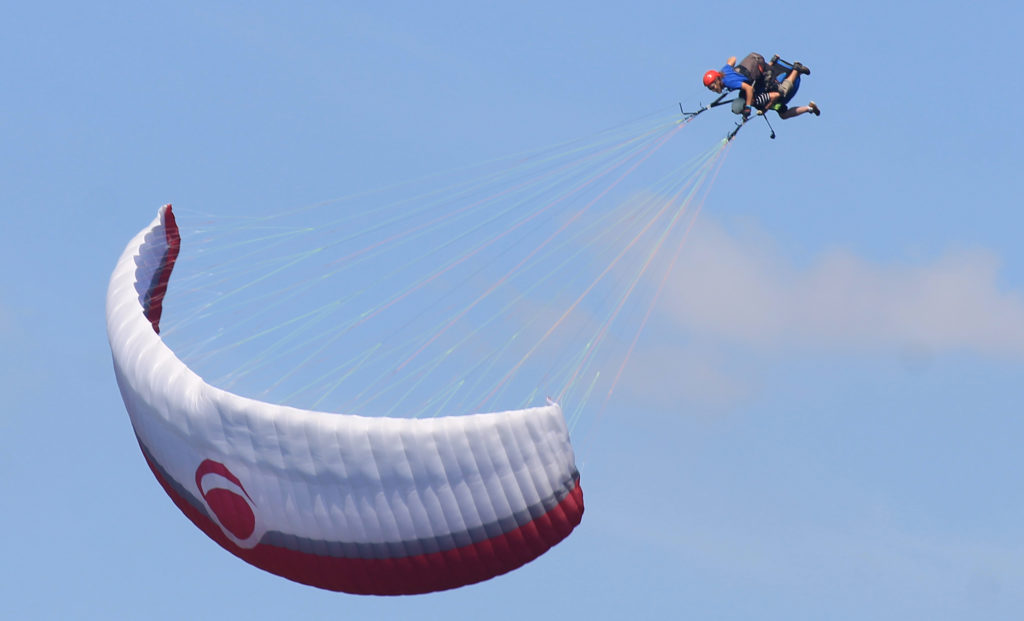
{"points": [[836, 432]]}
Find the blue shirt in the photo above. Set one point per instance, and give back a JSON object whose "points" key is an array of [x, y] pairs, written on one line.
{"points": [[731, 79]]}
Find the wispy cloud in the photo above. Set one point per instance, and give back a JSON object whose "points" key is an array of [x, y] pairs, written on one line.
{"points": [[679, 377], [742, 288]]}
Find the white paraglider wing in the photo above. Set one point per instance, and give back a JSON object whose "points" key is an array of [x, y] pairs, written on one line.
{"points": [[337, 501]]}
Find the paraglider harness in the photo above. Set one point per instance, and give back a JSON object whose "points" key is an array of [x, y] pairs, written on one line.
{"points": [[753, 69], [768, 81], [774, 78]]}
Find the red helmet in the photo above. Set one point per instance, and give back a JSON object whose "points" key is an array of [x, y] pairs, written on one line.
{"points": [[711, 76]]}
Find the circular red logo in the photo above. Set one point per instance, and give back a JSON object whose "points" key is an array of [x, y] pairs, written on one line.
{"points": [[233, 510]]}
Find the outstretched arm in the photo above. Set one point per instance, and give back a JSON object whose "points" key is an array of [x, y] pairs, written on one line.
{"points": [[731, 62]]}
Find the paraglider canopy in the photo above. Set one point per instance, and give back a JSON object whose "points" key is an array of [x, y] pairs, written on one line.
{"points": [[341, 502]]}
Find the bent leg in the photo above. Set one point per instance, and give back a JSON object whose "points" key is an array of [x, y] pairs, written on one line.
{"points": [[787, 84]]}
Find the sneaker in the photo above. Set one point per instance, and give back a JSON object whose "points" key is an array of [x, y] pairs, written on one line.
{"points": [[814, 108], [800, 68]]}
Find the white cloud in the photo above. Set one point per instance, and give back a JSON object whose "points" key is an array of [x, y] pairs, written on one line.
{"points": [[678, 377], [743, 289]]}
